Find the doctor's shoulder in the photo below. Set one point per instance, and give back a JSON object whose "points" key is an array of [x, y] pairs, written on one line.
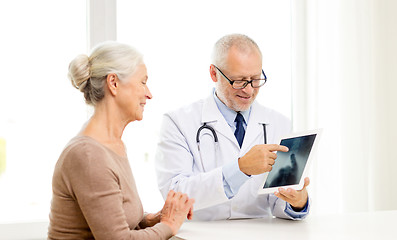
{"points": [[276, 118]]}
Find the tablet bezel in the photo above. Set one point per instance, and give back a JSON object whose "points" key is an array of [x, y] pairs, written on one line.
{"points": [[305, 173]]}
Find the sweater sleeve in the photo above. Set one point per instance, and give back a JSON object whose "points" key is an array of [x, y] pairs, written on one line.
{"points": [[96, 188]]}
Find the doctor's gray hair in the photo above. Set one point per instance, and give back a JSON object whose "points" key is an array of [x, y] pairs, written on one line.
{"points": [[89, 73], [222, 46]]}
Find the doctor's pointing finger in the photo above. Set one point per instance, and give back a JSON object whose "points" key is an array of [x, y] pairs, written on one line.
{"points": [[260, 158]]}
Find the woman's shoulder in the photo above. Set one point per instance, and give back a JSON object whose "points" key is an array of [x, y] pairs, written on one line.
{"points": [[85, 144], [84, 164], [83, 150]]}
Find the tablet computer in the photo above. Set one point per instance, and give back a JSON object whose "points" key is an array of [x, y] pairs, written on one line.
{"points": [[291, 168]]}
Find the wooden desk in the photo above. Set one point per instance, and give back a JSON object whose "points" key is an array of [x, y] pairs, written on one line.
{"points": [[371, 225]]}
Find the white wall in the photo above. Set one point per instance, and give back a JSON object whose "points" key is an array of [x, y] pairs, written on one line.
{"points": [[345, 64], [101, 21], [384, 164]]}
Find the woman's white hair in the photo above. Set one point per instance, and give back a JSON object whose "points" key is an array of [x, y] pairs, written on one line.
{"points": [[222, 46], [89, 73]]}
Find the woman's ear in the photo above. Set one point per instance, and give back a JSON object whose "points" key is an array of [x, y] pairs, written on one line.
{"points": [[213, 73], [113, 82]]}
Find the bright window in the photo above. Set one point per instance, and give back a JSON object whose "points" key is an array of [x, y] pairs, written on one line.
{"points": [[176, 38], [40, 110]]}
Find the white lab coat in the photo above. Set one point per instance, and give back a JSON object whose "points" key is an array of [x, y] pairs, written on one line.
{"points": [[179, 167]]}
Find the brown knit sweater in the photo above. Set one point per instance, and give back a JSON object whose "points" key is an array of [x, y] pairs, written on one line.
{"points": [[95, 197]]}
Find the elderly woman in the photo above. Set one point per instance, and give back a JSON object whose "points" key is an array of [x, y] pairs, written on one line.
{"points": [[94, 192]]}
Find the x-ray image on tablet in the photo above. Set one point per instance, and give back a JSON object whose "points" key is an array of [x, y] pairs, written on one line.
{"points": [[290, 168]]}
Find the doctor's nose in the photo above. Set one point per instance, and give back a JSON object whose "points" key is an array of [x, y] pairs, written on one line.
{"points": [[248, 89]]}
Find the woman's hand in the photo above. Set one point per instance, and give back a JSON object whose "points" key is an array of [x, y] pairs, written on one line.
{"points": [[150, 220], [176, 209]]}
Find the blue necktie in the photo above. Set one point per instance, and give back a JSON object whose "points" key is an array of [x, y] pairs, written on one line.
{"points": [[240, 131]]}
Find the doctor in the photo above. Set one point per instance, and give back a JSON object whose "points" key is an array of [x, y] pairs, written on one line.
{"points": [[220, 149]]}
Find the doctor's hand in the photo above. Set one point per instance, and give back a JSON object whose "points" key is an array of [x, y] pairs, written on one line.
{"points": [[260, 158], [297, 198], [176, 209]]}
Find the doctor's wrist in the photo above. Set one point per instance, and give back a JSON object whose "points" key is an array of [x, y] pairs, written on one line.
{"points": [[239, 166], [297, 209]]}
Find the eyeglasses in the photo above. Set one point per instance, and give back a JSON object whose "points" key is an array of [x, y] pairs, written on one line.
{"points": [[240, 84]]}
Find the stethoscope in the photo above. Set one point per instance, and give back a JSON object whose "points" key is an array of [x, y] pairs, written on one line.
{"points": [[205, 126]]}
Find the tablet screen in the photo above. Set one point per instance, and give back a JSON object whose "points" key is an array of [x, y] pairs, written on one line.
{"points": [[288, 167]]}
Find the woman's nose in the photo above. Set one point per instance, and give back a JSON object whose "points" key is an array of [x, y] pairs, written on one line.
{"points": [[148, 93]]}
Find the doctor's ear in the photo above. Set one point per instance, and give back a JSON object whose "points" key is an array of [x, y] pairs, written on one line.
{"points": [[113, 83], [213, 73]]}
